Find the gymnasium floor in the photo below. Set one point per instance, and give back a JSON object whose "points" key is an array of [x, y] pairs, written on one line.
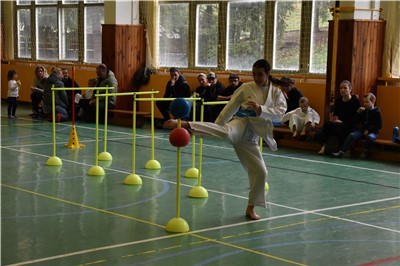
{"points": [[322, 210]]}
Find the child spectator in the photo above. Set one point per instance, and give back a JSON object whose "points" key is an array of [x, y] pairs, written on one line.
{"points": [[369, 119], [14, 86], [302, 120], [292, 94]]}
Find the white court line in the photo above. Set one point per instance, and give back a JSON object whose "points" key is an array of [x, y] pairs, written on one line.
{"points": [[301, 212]]}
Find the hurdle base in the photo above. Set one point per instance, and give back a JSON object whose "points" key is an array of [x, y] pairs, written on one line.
{"points": [[54, 161], [96, 171], [152, 165], [177, 225], [133, 179], [192, 173], [105, 156], [198, 192]]}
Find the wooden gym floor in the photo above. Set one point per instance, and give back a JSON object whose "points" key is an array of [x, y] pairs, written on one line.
{"points": [[321, 210]]}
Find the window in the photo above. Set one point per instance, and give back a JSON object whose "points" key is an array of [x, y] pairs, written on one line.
{"points": [[245, 34], [232, 35], [207, 35], [54, 32], [173, 34], [319, 36], [287, 35]]}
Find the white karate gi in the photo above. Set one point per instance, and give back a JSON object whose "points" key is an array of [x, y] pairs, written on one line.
{"points": [[244, 132], [299, 119]]}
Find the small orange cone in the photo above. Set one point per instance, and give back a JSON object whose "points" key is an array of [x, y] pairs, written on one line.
{"points": [[73, 140]]}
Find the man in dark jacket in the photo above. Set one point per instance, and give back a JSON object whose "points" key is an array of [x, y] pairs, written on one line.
{"points": [[176, 87]]}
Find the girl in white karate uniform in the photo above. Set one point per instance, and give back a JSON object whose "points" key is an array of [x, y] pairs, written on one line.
{"points": [[247, 116], [302, 119]]}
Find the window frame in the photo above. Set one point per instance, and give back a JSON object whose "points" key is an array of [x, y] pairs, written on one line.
{"points": [[32, 6]]}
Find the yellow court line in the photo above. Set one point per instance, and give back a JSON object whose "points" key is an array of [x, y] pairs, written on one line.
{"points": [[83, 205], [146, 222]]}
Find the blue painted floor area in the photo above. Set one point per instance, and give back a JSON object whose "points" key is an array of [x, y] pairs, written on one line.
{"points": [[321, 210]]}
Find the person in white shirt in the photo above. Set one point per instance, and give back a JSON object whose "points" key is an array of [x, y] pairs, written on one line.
{"points": [[247, 117], [302, 120], [14, 86]]}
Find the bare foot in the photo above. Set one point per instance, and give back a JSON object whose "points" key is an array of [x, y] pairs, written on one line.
{"points": [[172, 123], [250, 213], [303, 133], [294, 135]]}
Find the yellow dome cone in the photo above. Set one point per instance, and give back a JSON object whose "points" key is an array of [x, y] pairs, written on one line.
{"points": [[73, 140]]}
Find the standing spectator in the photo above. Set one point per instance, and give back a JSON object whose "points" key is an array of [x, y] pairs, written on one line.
{"points": [[14, 86], [105, 78], [341, 124], [292, 94], [369, 119], [303, 119], [267, 104], [176, 87], [37, 91], [61, 99]]}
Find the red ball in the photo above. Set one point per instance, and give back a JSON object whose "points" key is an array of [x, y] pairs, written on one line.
{"points": [[179, 137]]}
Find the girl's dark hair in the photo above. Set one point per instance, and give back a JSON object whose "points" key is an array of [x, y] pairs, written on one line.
{"points": [[11, 74], [262, 63]]}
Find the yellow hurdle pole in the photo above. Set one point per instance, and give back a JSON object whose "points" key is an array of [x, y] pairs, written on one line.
{"points": [[53, 108], [105, 121], [134, 136], [200, 144], [152, 125], [178, 177], [97, 132], [193, 136], [334, 58]]}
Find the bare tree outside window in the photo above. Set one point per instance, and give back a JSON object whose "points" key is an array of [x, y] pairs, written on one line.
{"points": [[24, 33], [69, 34], [207, 35], [94, 17], [173, 34], [47, 33], [319, 36], [287, 35], [245, 34]]}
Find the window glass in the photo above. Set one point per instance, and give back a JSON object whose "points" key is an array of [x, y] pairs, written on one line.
{"points": [[287, 35], [319, 36], [69, 2], [47, 33], [173, 34], [69, 34], [94, 18], [245, 36], [23, 2], [24, 33], [94, 1], [46, 2], [207, 35]]}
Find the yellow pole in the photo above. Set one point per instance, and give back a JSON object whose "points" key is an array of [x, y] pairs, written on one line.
{"points": [[97, 132], [200, 144], [152, 126], [334, 58], [105, 121], [178, 178], [53, 108], [193, 136], [134, 136]]}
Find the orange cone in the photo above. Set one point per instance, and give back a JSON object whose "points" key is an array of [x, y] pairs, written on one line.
{"points": [[73, 140]]}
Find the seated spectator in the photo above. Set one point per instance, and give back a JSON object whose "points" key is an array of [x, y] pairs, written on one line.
{"points": [[234, 83], [176, 87], [67, 80], [200, 93], [61, 99], [86, 97], [214, 89], [369, 119], [37, 91], [302, 120], [334, 132], [292, 94], [105, 78]]}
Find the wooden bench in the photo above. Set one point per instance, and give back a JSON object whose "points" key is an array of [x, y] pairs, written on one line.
{"points": [[383, 149], [124, 117]]}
